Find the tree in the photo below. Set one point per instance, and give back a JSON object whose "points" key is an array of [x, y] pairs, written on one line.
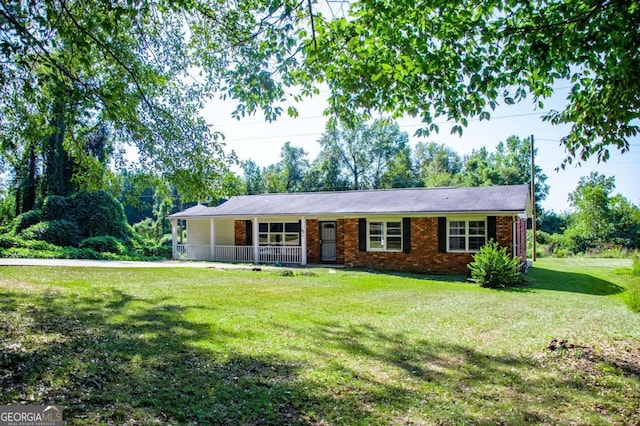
{"points": [[253, 180], [591, 225], [510, 164], [364, 151], [326, 173], [600, 220], [458, 61], [70, 66], [437, 165], [294, 167], [512, 159], [400, 172]]}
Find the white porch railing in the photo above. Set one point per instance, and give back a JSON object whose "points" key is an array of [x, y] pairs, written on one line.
{"points": [[234, 253], [282, 254], [193, 252], [267, 254]]}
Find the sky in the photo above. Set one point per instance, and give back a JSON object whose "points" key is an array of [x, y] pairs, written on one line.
{"points": [[253, 138]]}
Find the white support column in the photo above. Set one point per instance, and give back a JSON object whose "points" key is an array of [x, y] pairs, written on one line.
{"points": [[212, 238], [303, 240], [256, 239], [174, 237]]}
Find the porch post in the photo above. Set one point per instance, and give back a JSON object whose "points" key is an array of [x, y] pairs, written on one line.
{"points": [[212, 238], [256, 248], [174, 238], [303, 240]]}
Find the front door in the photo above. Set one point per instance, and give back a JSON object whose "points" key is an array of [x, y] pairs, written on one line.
{"points": [[328, 241]]}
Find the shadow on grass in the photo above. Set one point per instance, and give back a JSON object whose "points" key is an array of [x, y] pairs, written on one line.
{"points": [[119, 359], [454, 384], [549, 279], [115, 358]]}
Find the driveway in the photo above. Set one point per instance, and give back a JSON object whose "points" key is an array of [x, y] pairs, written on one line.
{"points": [[122, 263]]}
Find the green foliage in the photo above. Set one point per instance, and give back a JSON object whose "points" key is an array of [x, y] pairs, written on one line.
{"points": [[551, 222], [463, 60], [600, 220], [99, 213], [632, 296], [365, 152], [69, 220], [59, 232], [636, 266], [8, 241], [493, 267], [55, 207], [104, 244], [25, 220], [7, 208]]}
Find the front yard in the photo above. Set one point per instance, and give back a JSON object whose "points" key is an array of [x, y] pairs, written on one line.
{"points": [[141, 346]]}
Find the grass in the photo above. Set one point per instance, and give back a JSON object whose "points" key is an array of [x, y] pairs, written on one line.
{"points": [[226, 347]]}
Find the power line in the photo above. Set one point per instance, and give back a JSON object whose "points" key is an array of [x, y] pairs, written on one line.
{"points": [[402, 126]]}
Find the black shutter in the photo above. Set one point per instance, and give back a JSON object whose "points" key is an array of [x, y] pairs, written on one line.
{"points": [[362, 234], [442, 234], [248, 226], [492, 229], [406, 234]]}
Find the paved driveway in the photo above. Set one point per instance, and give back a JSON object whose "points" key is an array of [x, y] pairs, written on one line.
{"points": [[121, 263]]}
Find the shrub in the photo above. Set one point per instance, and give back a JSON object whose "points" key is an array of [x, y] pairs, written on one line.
{"points": [[27, 219], [543, 237], [99, 213], [59, 232], [55, 207], [493, 267], [13, 241], [632, 298], [104, 244]]}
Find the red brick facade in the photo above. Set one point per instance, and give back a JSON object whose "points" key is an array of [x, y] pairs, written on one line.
{"points": [[313, 241], [424, 256], [241, 232]]}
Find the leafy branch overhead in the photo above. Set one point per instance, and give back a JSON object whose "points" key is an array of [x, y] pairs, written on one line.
{"points": [[141, 71], [460, 60]]}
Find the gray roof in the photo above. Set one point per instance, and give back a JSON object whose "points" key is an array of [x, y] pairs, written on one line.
{"points": [[508, 199]]}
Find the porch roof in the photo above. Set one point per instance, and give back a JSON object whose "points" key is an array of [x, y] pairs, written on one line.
{"points": [[507, 199]]}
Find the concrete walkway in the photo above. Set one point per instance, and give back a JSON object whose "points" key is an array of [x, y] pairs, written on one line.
{"points": [[125, 264]]}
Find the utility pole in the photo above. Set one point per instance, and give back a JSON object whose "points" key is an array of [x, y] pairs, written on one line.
{"points": [[533, 199]]}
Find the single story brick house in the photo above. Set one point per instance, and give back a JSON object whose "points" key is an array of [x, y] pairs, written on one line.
{"points": [[423, 230]]}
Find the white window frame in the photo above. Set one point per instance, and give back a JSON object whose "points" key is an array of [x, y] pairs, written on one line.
{"points": [[466, 236], [281, 234], [385, 234]]}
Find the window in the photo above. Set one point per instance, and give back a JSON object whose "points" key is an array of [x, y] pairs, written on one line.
{"points": [[385, 236], [467, 235], [279, 233]]}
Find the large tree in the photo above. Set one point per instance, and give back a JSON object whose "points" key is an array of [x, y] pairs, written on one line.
{"points": [[364, 151], [141, 70], [510, 164], [437, 165], [459, 60]]}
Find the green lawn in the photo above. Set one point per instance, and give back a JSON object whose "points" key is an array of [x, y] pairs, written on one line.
{"points": [[206, 346]]}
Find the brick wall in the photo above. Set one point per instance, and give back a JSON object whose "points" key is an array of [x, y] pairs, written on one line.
{"points": [[340, 241], [424, 256], [240, 233], [313, 241]]}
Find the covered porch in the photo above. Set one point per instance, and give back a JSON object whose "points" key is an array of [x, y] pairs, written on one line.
{"points": [[266, 240]]}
